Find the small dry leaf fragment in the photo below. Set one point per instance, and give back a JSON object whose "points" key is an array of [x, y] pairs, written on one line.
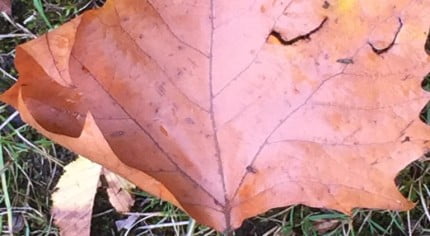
{"points": [[323, 226], [5, 5], [118, 191], [223, 116], [18, 224], [126, 223], [74, 199]]}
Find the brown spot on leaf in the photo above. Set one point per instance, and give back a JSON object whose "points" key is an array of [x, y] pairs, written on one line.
{"points": [[164, 131], [326, 5], [406, 139], [263, 9], [85, 69], [117, 133], [345, 61], [189, 121]]}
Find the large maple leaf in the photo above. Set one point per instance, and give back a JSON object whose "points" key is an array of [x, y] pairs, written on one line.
{"points": [[230, 108]]}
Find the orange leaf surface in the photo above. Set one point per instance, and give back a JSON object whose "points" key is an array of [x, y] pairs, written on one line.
{"points": [[230, 108]]}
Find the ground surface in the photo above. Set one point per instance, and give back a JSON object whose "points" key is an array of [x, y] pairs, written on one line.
{"points": [[30, 165]]}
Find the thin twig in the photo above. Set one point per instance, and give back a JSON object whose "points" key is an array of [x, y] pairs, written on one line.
{"points": [[164, 225], [38, 150], [7, 74], [423, 201], [7, 36], [17, 25], [191, 226], [9, 119], [6, 194]]}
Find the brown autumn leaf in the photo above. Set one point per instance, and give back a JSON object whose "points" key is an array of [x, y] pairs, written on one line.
{"points": [[118, 191], [230, 108], [5, 6]]}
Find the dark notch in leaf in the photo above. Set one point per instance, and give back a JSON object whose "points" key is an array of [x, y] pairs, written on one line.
{"points": [[425, 84], [425, 114], [427, 44], [286, 42], [380, 51]]}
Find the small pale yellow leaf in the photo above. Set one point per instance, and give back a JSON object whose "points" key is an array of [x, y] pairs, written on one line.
{"points": [[74, 199]]}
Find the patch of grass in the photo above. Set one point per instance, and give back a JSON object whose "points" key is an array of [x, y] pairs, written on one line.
{"points": [[30, 165]]}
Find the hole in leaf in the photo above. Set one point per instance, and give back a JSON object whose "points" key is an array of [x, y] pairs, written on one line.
{"points": [[427, 44], [380, 51], [281, 40]]}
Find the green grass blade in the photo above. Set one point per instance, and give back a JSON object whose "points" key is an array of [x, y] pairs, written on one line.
{"points": [[1, 222], [6, 193], [39, 7], [327, 216]]}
